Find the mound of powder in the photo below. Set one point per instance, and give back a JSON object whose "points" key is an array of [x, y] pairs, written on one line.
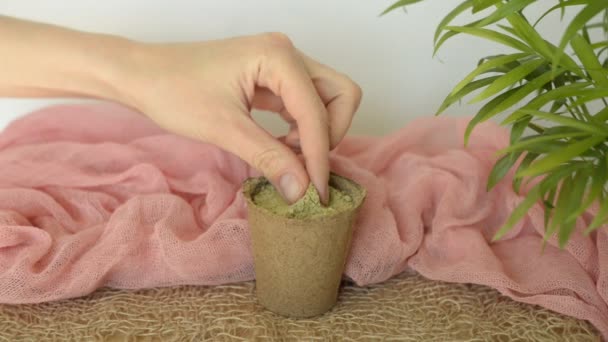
{"points": [[309, 206]]}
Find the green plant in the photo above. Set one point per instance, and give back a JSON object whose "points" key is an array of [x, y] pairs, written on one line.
{"points": [[554, 99]]}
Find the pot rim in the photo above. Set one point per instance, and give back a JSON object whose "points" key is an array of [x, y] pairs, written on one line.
{"points": [[250, 185]]}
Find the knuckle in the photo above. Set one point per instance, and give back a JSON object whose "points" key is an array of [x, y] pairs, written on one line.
{"points": [[268, 161], [279, 39], [357, 92], [353, 89]]}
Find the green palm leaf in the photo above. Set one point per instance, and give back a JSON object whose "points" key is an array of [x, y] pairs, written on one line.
{"points": [[524, 91], [528, 159], [592, 9], [598, 179], [508, 79], [567, 152], [486, 110], [541, 100], [585, 53], [518, 129], [554, 159], [529, 35], [493, 36], [527, 142], [569, 122], [480, 5], [488, 65], [501, 168], [600, 218], [561, 206], [561, 6], [519, 212], [467, 89], [505, 10], [451, 16], [398, 4]]}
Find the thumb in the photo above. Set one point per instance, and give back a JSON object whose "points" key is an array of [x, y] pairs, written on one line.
{"points": [[276, 161]]}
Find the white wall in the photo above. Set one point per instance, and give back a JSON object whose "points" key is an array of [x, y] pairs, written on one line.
{"points": [[390, 56]]}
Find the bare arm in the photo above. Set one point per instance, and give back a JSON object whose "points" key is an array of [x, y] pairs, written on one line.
{"points": [[203, 90], [40, 60]]}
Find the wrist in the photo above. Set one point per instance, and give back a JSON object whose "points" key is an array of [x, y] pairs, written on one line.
{"points": [[114, 64], [46, 60], [136, 72]]}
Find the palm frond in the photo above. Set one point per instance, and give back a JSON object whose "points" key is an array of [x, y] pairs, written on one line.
{"points": [[569, 153]]}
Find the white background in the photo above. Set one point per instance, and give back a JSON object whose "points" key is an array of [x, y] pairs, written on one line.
{"points": [[389, 56]]}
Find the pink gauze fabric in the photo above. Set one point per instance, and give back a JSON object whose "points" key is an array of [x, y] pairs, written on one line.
{"points": [[97, 195]]}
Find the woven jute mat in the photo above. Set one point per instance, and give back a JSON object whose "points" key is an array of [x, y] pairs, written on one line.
{"points": [[406, 308]]}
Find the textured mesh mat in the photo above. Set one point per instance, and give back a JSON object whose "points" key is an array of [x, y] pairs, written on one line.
{"points": [[406, 308]]}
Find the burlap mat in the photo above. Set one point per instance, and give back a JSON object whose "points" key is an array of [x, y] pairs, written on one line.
{"points": [[407, 308]]}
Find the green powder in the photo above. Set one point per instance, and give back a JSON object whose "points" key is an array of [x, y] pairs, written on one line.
{"points": [[308, 206]]}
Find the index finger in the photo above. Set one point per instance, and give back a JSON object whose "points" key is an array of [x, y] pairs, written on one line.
{"points": [[289, 79]]}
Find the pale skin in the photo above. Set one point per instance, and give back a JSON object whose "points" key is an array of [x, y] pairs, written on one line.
{"points": [[202, 90]]}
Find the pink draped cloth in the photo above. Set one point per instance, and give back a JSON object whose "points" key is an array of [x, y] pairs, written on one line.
{"points": [[96, 195]]}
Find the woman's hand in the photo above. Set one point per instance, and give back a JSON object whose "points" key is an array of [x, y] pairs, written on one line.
{"points": [[207, 90], [202, 90]]}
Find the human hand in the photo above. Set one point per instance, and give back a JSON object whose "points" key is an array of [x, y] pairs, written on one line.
{"points": [[207, 90]]}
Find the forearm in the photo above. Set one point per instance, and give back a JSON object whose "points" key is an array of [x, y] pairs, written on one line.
{"points": [[39, 60]]}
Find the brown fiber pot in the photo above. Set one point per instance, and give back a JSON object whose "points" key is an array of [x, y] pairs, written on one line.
{"points": [[299, 262]]}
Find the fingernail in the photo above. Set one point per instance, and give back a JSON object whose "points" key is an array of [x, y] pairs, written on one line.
{"points": [[324, 195], [290, 187]]}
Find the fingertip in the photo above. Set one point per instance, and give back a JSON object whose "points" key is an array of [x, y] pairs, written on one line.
{"points": [[324, 195], [274, 159], [321, 183]]}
